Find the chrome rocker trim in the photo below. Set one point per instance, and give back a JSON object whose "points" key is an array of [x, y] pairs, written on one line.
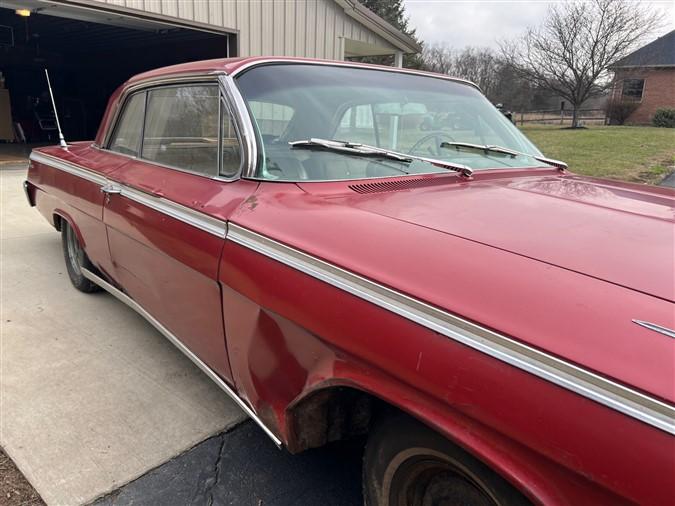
{"points": [[543, 365], [178, 344]]}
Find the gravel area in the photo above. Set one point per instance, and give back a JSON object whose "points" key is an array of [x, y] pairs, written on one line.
{"points": [[14, 488]]}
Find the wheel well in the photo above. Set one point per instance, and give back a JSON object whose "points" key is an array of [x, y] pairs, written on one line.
{"points": [[57, 221], [340, 413], [331, 414]]}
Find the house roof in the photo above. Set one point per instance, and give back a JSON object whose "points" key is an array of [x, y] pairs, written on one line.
{"points": [[659, 53], [369, 19]]}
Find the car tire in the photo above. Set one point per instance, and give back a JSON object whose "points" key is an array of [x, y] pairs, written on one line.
{"points": [[76, 259], [408, 464]]}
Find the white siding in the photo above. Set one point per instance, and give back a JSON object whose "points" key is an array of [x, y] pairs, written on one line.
{"points": [[313, 28]]}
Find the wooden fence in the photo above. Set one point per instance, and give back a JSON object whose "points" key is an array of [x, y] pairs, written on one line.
{"points": [[558, 117]]}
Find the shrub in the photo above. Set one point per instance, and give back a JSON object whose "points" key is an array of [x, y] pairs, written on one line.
{"points": [[664, 117], [618, 111]]}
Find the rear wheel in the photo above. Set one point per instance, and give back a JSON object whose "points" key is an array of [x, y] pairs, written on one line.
{"points": [[408, 464], [76, 259]]}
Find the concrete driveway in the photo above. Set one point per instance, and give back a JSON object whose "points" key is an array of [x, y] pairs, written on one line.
{"points": [[91, 396]]}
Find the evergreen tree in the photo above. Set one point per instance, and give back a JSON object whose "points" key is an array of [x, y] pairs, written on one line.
{"points": [[393, 12]]}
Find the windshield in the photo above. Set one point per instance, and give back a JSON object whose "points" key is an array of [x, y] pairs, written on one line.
{"points": [[405, 113]]}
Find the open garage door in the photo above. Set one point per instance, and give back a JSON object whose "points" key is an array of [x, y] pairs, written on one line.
{"points": [[88, 53]]}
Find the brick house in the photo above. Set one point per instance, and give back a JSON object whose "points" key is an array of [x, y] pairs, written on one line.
{"points": [[647, 76]]}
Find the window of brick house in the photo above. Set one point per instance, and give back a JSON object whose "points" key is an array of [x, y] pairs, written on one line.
{"points": [[633, 88]]}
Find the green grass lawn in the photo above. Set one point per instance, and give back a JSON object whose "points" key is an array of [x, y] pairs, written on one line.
{"points": [[637, 154]]}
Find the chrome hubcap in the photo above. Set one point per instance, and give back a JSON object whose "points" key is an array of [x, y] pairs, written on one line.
{"points": [[427, 481], [75, 252]]}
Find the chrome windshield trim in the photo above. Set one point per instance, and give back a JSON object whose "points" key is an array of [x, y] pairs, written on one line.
{"points": [[239, 111], [656, 328], [397, 70], [69, 167], [565, 374], [121, 296], [180, 212]]}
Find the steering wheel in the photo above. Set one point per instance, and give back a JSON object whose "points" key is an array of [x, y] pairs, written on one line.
{"points": [[438, 137]]}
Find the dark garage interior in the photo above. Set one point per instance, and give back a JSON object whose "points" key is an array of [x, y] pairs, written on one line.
{"points": [[87, 59]]}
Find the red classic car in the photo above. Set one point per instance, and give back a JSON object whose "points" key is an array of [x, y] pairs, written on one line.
{"points": [[353, 250]]}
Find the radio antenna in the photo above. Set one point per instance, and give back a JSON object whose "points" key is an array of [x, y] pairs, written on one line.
{"points": [[62, 141]]}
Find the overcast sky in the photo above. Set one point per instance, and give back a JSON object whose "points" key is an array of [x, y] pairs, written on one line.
{"points": [[460, 23]]}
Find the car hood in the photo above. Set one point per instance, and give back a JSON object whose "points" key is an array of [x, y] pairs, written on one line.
{"points": [[619, 233], [562, 263]]}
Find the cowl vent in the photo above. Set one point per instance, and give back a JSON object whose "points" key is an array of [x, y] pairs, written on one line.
{"points": [[397, 184]]}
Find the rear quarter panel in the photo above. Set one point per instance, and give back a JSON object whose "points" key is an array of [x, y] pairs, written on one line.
{"points": [[73, 198]]}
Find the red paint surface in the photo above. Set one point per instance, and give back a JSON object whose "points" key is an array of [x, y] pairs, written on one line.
{"points": [[170, 267], [560, 262]]}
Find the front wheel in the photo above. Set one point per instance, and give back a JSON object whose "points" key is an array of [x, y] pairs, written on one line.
{"points": [[408, 464], [76, 259]]}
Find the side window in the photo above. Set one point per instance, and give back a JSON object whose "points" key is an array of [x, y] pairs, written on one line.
{"points": [[181, 128], [128, 131], [231, 150]]}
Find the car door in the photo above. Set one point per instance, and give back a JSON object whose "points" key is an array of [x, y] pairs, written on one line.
{"points": [[160, 213]]}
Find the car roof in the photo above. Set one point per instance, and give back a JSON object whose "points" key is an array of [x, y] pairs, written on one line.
{"points": [[233, 65]]}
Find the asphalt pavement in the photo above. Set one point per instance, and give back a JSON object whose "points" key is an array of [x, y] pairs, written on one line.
{"points": [[669, 180], [243, 467]]}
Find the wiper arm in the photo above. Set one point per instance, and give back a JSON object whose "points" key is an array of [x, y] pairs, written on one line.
{"points": [[358, 149], [505, 151]]}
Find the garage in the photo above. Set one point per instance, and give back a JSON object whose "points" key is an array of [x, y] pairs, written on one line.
{"points": [[92, 46], [88, 53]]}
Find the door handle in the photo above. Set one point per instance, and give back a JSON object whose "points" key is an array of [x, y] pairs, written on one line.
{"points": [[111, 189]]}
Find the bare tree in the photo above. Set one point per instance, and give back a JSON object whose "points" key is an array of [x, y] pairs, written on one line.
{"points": [[478, 65], [438, 58], [571, 52]]}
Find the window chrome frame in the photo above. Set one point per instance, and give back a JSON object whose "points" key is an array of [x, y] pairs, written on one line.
{"points": [[147, 85], [244, 123]]}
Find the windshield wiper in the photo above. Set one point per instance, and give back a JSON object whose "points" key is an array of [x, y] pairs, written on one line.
{"points": [[358, 149], [486, 148]]}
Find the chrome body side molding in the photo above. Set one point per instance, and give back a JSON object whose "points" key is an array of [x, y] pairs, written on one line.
{"points": [[656, 328], [176, 342], [165, 206], [177, 211], [69, 167], [565, 374]]}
